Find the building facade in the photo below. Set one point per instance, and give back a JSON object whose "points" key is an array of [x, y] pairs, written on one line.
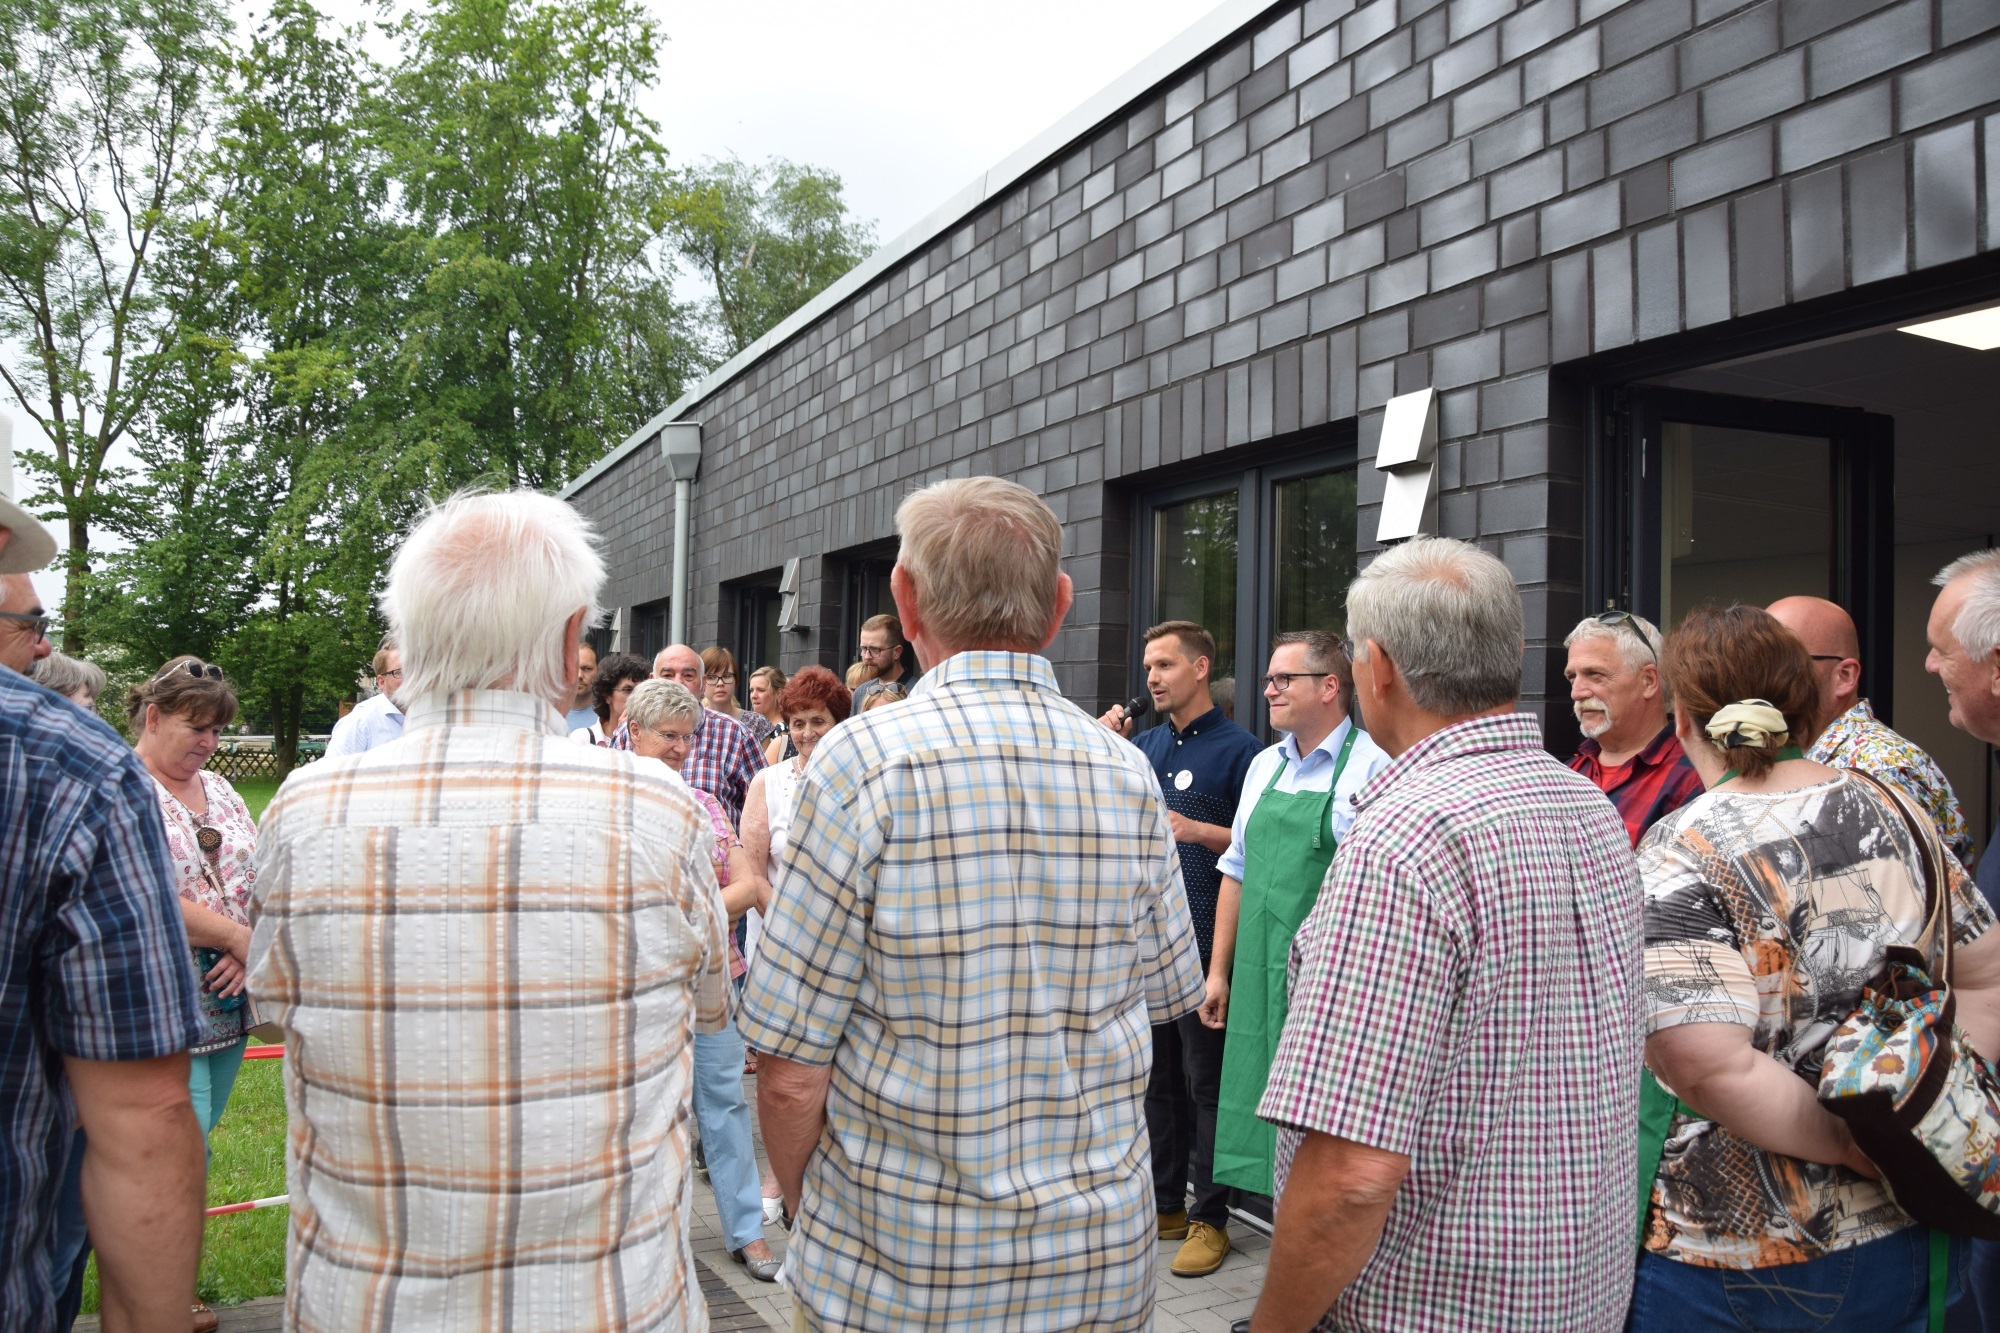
{"points": [[1653, 257]]}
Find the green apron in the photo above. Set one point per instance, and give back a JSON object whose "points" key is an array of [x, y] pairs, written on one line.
{"points": [[1287, 846]]}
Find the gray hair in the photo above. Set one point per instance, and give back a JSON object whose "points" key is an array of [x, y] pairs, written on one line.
{"points": [[1977, 627], [481, 592], [68, 675], [1629, 648], [985, 556], [1449, 616], [654, 703]]}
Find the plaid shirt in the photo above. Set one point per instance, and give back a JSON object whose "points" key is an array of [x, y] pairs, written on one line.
{"points": [[1466, 993], [93, 960], [721, 761], [980, 917], [487, 947], [1857, 739], [1647, 787]]}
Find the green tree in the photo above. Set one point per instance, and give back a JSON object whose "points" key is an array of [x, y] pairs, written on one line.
{"points": [[103, 104], [764, 239], [532, 183]]}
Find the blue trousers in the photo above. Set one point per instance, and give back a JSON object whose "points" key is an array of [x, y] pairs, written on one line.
{"points": [[1880, 1287], [724, 1118]]}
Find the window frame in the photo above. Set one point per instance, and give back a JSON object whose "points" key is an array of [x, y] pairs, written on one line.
{"points": [[1256, 486]]}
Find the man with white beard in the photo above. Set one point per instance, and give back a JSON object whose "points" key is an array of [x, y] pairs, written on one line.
{"points": [[1620, 699]]}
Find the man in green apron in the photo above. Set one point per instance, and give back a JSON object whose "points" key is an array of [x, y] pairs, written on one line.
{"points": [[1296, 805]]}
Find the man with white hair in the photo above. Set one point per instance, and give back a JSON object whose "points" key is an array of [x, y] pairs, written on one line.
{"points": [[1620, 700], [1964, 634], [489, 950], [1455, 1083], [979, 920]]}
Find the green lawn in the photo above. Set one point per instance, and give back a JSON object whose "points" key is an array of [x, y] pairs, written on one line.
{"points": [[243, 1254], [257, 793]]}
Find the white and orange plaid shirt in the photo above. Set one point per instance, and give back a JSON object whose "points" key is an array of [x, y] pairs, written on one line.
{"points": [[488, 949]]}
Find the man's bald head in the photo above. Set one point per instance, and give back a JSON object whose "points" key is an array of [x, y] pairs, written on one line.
{"points": [[1828, 634], [678, 662]]}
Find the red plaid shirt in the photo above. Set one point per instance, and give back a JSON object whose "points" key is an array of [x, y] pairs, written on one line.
{"points": [[1647, 787]]}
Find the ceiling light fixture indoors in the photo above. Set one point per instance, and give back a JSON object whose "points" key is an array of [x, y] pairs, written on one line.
{"points": [[1977, 329]]}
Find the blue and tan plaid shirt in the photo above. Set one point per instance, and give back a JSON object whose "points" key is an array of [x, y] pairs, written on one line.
{"points": [[980, 917], [93, 960]]}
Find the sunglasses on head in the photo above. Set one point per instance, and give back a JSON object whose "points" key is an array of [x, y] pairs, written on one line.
{"points": [[1629, 621], [195, 667]]}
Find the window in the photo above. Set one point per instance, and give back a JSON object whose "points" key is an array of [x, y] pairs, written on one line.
{"points": [[864, 592], [1247, 555], [758, 644], [1194, 570], [649, 628]]}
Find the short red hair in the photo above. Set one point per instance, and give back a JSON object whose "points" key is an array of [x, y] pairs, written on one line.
{"points": [[816, 687]]}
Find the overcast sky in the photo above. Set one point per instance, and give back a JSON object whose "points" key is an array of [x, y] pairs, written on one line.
{"points": [[908, 100]]}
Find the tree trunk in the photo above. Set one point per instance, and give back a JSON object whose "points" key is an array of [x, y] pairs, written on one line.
{"points": [[285, 727], [76, 572]]}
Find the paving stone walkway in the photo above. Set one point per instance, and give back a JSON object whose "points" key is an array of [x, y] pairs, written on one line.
{"points": [[738, 1303]]}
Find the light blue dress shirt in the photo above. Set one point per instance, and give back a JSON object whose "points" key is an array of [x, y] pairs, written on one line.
{"points": [[374, 721]]}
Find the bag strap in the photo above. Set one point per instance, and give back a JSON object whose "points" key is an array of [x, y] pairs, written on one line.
{"points": [[1937, 883], [1940, 1277]]}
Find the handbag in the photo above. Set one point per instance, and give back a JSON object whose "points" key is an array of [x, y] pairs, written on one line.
{"points": [[1919, 1100]]}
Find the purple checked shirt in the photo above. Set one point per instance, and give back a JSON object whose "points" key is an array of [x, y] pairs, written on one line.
{"points": [[1466, 994]]}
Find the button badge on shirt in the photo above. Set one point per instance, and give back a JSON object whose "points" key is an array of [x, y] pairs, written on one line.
{"points": [[1184, 779]]}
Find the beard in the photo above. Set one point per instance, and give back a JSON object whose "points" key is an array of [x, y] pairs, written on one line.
{"points": [[1594, 718]]}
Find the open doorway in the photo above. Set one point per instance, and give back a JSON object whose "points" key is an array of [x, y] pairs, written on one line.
{"points": [[1852, 468]]}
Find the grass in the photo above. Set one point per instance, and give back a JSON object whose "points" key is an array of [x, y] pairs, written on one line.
{"points": [[257, 793], [242, 1254]]}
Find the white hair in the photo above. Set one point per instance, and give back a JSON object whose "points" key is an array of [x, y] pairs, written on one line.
{"points": [[1449, 616], [480, 593], [1634, 653], [1977, 626], [654, 703]]}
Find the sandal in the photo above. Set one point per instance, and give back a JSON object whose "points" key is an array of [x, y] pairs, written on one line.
{"points": [[764, 1270], [205, 1319]]}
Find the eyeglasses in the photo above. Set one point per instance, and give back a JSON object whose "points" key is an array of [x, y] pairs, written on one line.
{"points": [[1825, 657], [39, 622], [1614, 619], [672, 737], [397, 674], [195, 667], [1282, 680], [722, 675], [870, 650]]}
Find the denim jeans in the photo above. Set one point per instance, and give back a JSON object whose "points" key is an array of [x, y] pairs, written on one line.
{"points": [[724, 1117], [1880, 1287], [210, 1079], [72, 1254]]}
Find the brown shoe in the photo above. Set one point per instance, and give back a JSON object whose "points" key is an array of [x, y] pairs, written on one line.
{"points": [[1202, 1252], [205, 1319], [1173, 1226]]}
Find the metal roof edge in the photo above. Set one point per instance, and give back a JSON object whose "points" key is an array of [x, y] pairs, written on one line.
{"points": [[1208, 32]]}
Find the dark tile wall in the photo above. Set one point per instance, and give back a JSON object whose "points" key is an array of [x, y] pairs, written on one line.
{"points": [[1343, 202]]}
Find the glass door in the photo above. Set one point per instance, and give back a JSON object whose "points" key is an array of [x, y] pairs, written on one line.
{"points": [[1704, 497]]}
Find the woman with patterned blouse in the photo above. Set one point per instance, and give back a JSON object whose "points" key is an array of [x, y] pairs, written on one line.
{"points": [[1770, 902], [177, 719], [662, 718]]}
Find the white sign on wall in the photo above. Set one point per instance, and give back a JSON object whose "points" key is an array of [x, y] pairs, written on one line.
{"points": [[1408, 455]]}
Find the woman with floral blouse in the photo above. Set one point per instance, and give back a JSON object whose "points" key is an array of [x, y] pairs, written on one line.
{"points": [[177, 719]]}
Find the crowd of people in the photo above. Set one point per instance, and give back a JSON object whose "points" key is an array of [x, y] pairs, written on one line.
{"points": [[1504, 1042]]}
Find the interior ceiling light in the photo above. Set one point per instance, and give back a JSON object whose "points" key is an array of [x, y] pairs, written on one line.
{"points": [[1979, 330]]}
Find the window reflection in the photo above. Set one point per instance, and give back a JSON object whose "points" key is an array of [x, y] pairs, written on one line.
{"points": [[1313, 551], [1194, 570]]}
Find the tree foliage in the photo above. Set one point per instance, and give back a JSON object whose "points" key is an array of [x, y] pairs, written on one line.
{"points": [[267, 297], [767, 239]]}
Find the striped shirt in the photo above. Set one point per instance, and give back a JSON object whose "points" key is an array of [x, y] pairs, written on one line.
{"points": [[488, 948], [93, 960], [1466, 993], [980, 918]]}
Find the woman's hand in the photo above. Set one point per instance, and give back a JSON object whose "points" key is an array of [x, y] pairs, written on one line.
{"points": [[227, 977]]}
